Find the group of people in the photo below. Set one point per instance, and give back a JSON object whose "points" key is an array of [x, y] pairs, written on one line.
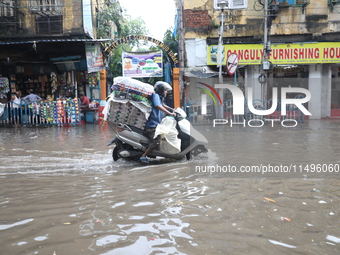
{"points": [[31, 98]]}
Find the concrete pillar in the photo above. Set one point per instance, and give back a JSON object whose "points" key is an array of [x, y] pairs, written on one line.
{"points": [[315, 88], [326, 91], [176, 88], [103, 88]]}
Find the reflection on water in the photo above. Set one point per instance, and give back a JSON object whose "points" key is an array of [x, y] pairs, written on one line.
{"points": [[61, 192]]}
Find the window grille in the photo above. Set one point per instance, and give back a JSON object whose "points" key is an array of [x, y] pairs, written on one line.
{"points": [[46, 7], [7, 8]]}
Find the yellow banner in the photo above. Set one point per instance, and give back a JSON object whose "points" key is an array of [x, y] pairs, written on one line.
{"points": [[281, 54]]}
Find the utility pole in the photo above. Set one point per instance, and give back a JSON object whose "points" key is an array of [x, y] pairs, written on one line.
{"points": [[265, 32], [220, 49], [266, 49], [221, 4], [181, 48]]}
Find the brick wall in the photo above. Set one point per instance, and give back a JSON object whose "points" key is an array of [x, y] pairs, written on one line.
{"points": [[199, 18]]}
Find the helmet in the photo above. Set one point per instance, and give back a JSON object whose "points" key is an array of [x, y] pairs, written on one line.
{"points": [[162, 86]]}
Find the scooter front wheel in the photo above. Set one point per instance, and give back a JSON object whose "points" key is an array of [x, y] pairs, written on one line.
{"points": [[196, 151]]}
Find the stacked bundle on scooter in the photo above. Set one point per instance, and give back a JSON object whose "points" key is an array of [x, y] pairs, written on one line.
{"points": [[127, 113], [131, 89], [129, 102]]}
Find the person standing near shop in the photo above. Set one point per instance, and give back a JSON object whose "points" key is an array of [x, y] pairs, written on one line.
{"points": [[16, 105], [33, 108], [32, 97]]}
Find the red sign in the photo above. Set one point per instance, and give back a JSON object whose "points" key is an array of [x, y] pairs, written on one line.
{"points": [[232, 63]]}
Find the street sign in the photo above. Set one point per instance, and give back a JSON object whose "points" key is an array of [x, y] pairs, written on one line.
{"points": [[232, 63]]}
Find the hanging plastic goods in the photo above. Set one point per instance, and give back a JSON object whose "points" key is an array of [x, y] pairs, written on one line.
{"points": [[54, 83], [126, 84], [93, 81], [4, 87]]}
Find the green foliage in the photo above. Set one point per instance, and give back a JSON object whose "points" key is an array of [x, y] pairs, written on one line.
{"points": [[170, 40], [112, 14], [116, 60]]}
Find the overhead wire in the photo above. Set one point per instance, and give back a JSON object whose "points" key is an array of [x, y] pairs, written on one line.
{"points": [[79, 18]]}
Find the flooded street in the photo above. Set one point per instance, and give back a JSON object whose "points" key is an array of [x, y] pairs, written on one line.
{"points": [[61, 193]]}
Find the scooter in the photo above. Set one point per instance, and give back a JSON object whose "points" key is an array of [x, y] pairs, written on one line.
{"points": [[131, 142]]}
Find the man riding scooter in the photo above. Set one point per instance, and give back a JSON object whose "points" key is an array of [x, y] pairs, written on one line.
{"points": [[158, 109]]}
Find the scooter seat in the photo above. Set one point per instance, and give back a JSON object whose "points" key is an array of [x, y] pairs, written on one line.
{"points": [[139, 131]]}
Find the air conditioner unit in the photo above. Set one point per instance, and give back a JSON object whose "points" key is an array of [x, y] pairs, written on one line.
{"points": [[232, 4]]}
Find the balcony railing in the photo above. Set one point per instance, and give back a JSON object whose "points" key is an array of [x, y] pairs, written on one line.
{"points": [[288, 3]]}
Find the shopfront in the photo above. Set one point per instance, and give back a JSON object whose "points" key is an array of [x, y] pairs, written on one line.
{"points": [[313, 66], [57, 79]]}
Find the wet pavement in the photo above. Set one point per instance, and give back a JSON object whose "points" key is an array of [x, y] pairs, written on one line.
{"points": [[61, 193]]}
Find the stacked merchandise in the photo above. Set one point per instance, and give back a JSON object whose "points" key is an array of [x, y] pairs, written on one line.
{"points": [[43, 113], [55, 114], [76, 112], [48, 112], [52, 110], [72, 109], [129, 103], [60, 111]]}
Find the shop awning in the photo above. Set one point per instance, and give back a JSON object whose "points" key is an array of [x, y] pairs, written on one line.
{"points": [[56, 40], [43, 50]]}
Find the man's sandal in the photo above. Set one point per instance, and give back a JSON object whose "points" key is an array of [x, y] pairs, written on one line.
{"points": [[144, 160]]}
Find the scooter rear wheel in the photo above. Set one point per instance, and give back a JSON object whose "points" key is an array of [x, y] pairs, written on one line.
{"points": [[123, 146], [115, 154]]}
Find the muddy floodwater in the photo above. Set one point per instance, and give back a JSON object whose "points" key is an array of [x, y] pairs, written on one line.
{"points": [[268, 190]]}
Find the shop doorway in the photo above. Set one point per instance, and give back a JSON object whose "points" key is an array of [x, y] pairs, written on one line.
{"points": [[335, 92], [290, 76]]}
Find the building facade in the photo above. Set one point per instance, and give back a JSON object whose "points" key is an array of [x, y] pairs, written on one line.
{"points": [[301, 37], [47, 46]]}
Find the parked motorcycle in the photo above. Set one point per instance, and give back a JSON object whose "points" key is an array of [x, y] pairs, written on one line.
{"points": [[130, 142]]}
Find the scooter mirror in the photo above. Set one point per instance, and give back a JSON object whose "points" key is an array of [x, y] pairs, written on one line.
{"points": [[180, 113]]}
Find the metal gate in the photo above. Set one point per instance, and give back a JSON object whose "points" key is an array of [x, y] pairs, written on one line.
{"points": [[60, 112]]}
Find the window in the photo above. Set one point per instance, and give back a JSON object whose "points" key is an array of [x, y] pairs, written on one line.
{"points": [[46, 7], [49, 25], [48, 16], [7, 8], [231, 4]]}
